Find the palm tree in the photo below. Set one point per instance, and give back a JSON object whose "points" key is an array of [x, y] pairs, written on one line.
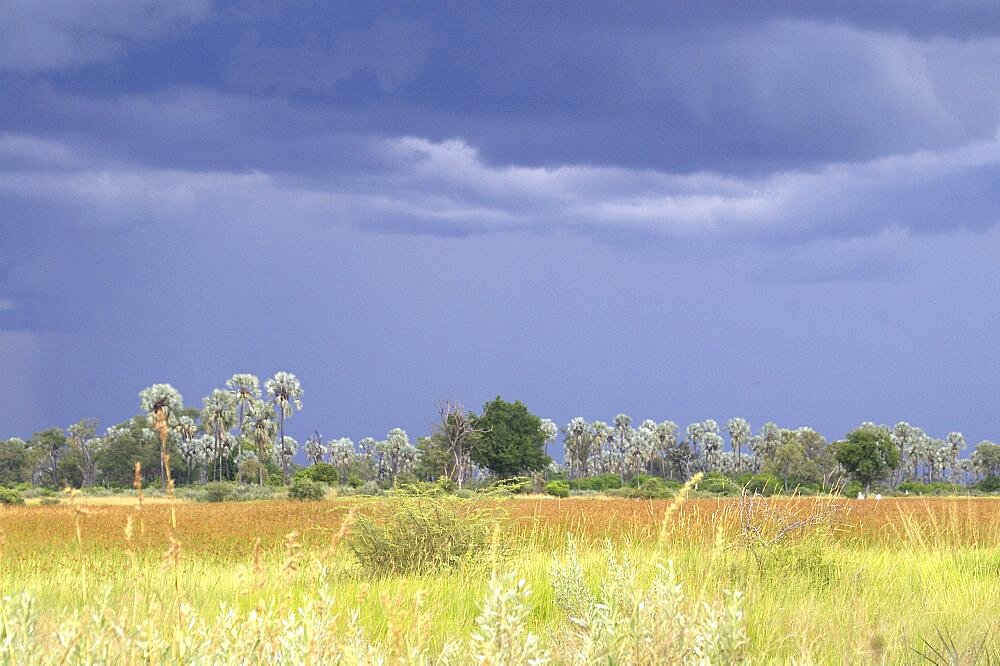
{"points": [[956, 442], [285, 391], [623, 441], [245, 389], [161, 402], [261, 428], [342, 454], [549, 431], [218, 417], [576, 446], [666, 441], [739, 434], [186, 429]]}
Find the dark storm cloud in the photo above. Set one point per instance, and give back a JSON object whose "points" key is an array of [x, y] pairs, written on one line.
{"points": [[667, 200]]}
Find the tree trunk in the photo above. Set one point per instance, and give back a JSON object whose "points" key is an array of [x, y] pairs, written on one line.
{"points": [[281, 447]]}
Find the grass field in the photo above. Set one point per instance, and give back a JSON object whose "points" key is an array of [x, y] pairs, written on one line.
{"points": [[821, 581]]}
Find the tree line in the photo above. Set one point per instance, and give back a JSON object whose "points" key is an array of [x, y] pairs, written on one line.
{"points": [[239, 434]]}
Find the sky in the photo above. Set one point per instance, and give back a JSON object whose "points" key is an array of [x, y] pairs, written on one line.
{"points": [[784, 211]]}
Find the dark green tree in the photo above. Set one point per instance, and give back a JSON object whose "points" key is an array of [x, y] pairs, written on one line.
{"points": [[867, 455], [126, 444], [511, 440], [15, 462]]}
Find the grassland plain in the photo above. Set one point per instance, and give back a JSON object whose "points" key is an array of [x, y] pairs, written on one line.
{"points": [[822, 580]]}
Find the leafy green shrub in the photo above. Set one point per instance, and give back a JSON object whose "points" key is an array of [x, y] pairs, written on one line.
{"points": [[218, 491], [718, 484], [599, 483], [851, 489], [36, 491], [631, 621], [990, 484], [511, 486], [446, 484], [306, 489], [919, 488], [323, 473], [355, 481], [557, 488], [10, 496], [421, 534], [47, 501], [96, 491], [760, 484]]}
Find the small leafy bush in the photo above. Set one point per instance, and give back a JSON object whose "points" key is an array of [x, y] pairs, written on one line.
{"points": [[35, 491], [718, 484], [628, 621], [306, 489], [10, 496], [599, 483], [421, 534], [355, 481], [323, 473], [218, 491], [990, 484], [557, 488], [511, 486], [851, 489], [760, 484], [48, 501], [446, 484]]}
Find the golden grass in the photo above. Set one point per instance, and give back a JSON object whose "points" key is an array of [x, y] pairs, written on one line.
{"points": [[867, 583]]}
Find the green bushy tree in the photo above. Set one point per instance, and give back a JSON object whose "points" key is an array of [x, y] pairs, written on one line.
{"points": [[511, 439]]}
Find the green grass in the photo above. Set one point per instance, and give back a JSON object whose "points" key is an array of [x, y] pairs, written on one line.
{"points": [[825, 594]]}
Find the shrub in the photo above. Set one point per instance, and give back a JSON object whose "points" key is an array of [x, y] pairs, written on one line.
{"points": [[355, 481], [513, 485], [920, 488], [719, 484], [760, 484], [447, 484], [218, 491], [323, 473], [36, 491], [306, 489], [10, 496], [421, 534], [47, 501], [599, 483], [630, 621], [557, 488], [851, 489], [990, 484], [653, 487]]}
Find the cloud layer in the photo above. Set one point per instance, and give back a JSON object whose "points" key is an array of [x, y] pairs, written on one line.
{"points": [[650, 209]]}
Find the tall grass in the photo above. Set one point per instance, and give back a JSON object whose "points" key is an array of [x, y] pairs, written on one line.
{"points": [[809, 580]]}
